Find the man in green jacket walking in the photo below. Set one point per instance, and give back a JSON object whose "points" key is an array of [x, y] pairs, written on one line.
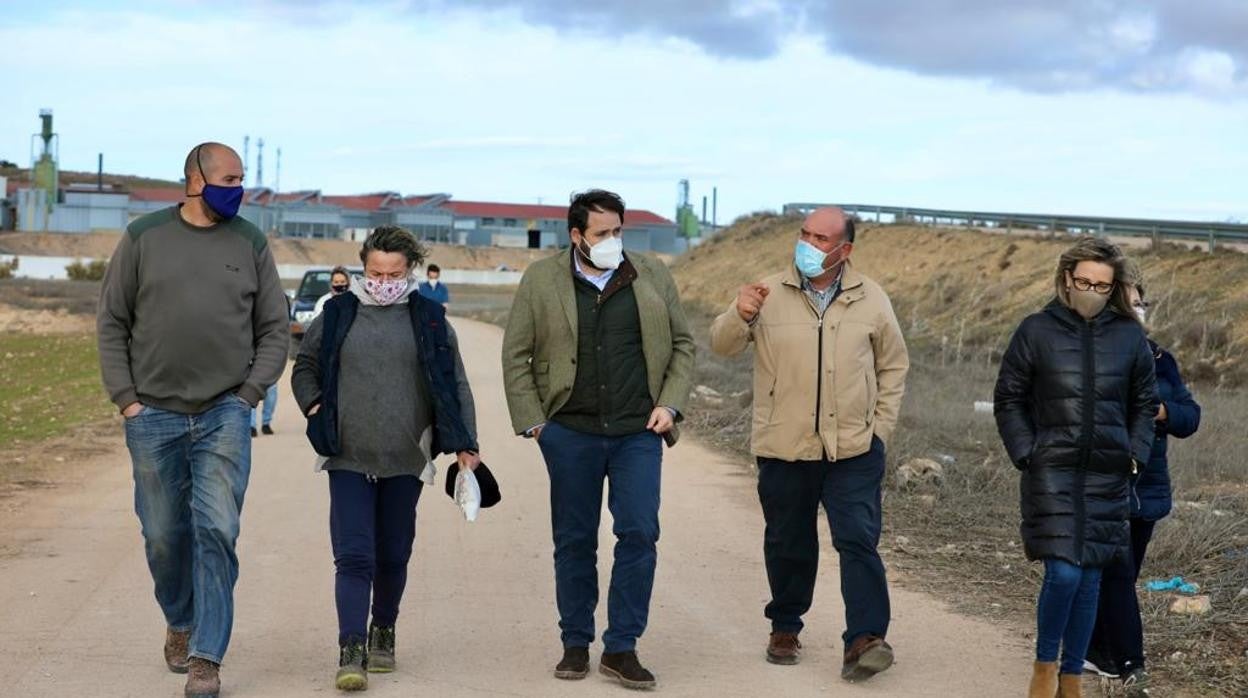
{"points": [[598, 363]]}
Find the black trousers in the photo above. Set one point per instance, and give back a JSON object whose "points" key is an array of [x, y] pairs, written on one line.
{"points": [[1119, 631], [850, 491]]}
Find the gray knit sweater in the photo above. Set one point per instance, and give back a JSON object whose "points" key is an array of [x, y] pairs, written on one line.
{"points": [[384, 405]]}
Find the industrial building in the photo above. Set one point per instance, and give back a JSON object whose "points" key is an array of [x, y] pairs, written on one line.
{"points": [[43, 204]]}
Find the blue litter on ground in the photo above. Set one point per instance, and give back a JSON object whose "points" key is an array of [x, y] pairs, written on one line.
{"points": [[1173, 584]]}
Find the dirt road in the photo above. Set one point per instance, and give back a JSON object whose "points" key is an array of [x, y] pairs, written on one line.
{"points": [[478, 619]]}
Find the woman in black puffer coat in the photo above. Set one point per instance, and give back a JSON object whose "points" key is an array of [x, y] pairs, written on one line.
{"points": [[1074, 402], [1117, 647]]}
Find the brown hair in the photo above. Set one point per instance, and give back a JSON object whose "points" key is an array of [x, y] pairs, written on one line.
{"points": [[392, 238], [1135, 276], [1094, 249]]}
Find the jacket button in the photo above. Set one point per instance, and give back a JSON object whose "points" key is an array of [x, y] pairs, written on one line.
{"points": [[573, 359]]}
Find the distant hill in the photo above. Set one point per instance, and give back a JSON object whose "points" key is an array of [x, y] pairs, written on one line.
{"points": [[967, 290], [22, 174]]}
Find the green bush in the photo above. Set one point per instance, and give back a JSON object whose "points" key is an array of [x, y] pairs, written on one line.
{"points": [[7, 268], [91, 271]]}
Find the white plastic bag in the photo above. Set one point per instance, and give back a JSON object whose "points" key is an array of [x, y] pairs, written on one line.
{"points": [[468, 494]]}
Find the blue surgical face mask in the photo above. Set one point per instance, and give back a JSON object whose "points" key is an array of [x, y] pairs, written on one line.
{"points": [[223, 201], [809, 259]]}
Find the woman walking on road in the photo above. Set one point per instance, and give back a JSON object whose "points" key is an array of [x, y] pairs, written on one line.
{"points": [[380, 378], [1075, 403], [1117, 648]]}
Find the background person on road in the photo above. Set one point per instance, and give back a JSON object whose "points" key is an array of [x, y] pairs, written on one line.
{"points": [[339, 283], [433, 288]]}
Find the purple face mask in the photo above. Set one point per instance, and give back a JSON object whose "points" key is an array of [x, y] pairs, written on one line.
{"points": [[385, 291]]}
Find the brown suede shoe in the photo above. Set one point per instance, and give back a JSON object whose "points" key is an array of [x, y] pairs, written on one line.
{"points": [[866, 657], [627, 669], [203, 679], [784, 648], [176, 643], [575, 664]]}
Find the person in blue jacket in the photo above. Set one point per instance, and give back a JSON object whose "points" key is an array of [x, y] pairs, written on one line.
{"points": [[432, 288], [1117, 647]]}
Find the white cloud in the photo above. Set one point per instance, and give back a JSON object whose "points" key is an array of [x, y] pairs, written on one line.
{"points": [[487, 107]]}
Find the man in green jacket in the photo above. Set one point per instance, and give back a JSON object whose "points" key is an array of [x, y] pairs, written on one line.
{"points": [[598, 363]]}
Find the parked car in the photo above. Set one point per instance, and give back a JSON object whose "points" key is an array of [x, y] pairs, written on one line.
{"points": [[315, 283]]}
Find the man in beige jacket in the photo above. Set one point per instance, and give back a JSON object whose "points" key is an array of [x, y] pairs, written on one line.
{"points": [[830, 366]]}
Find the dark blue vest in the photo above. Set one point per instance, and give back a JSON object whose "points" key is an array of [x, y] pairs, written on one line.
{"points": [[437, 360]]}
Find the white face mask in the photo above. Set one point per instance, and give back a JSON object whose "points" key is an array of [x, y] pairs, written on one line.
{"points": [[1142, 314], [433, 283], [607, 254]]}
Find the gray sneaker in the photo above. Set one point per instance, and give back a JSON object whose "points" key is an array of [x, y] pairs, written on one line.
{"points": [[352, 667], [381, 649]]}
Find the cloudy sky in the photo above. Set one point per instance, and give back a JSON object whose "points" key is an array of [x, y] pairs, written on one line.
{"points": [[1070, 106]]}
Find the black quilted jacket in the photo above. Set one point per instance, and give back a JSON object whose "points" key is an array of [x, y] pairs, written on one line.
{"points": [[1074, 403]]}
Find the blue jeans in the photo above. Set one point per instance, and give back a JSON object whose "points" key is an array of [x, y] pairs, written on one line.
{"points": [[1066, 613], [850, 491], [270, 406], [190, 474], [372, 523], [578, 463]]}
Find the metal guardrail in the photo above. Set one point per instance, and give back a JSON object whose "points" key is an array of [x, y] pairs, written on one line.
{"points": [[1212, 233]]}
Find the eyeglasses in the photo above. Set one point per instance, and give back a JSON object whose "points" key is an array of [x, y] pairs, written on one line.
{"points": [[1089, 285]]}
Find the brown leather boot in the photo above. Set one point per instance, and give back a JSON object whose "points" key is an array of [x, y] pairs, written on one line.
{"points": [[1070, 686], [203, 679], [784, 648], [176, 644], [866, 657], [1043, 680]]}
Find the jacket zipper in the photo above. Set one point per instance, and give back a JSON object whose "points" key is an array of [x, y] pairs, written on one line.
{"points": [[1089, 408], [819, 380]]}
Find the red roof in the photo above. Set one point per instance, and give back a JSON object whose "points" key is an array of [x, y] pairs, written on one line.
{"points": [[157, 194], [482, 209], [362, 202]]}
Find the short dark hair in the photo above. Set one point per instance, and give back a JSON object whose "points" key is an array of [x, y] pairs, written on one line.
{"points": [[339, 270], [849, 229], [599, 200], [392, 238], [433, 268]]}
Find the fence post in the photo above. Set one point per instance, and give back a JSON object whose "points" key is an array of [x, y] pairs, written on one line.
{"points": [[1213, 241], [1156, 238], [1100, 230]]}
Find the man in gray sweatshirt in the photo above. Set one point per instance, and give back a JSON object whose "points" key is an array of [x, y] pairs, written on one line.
{"points": [[192, 329]]}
